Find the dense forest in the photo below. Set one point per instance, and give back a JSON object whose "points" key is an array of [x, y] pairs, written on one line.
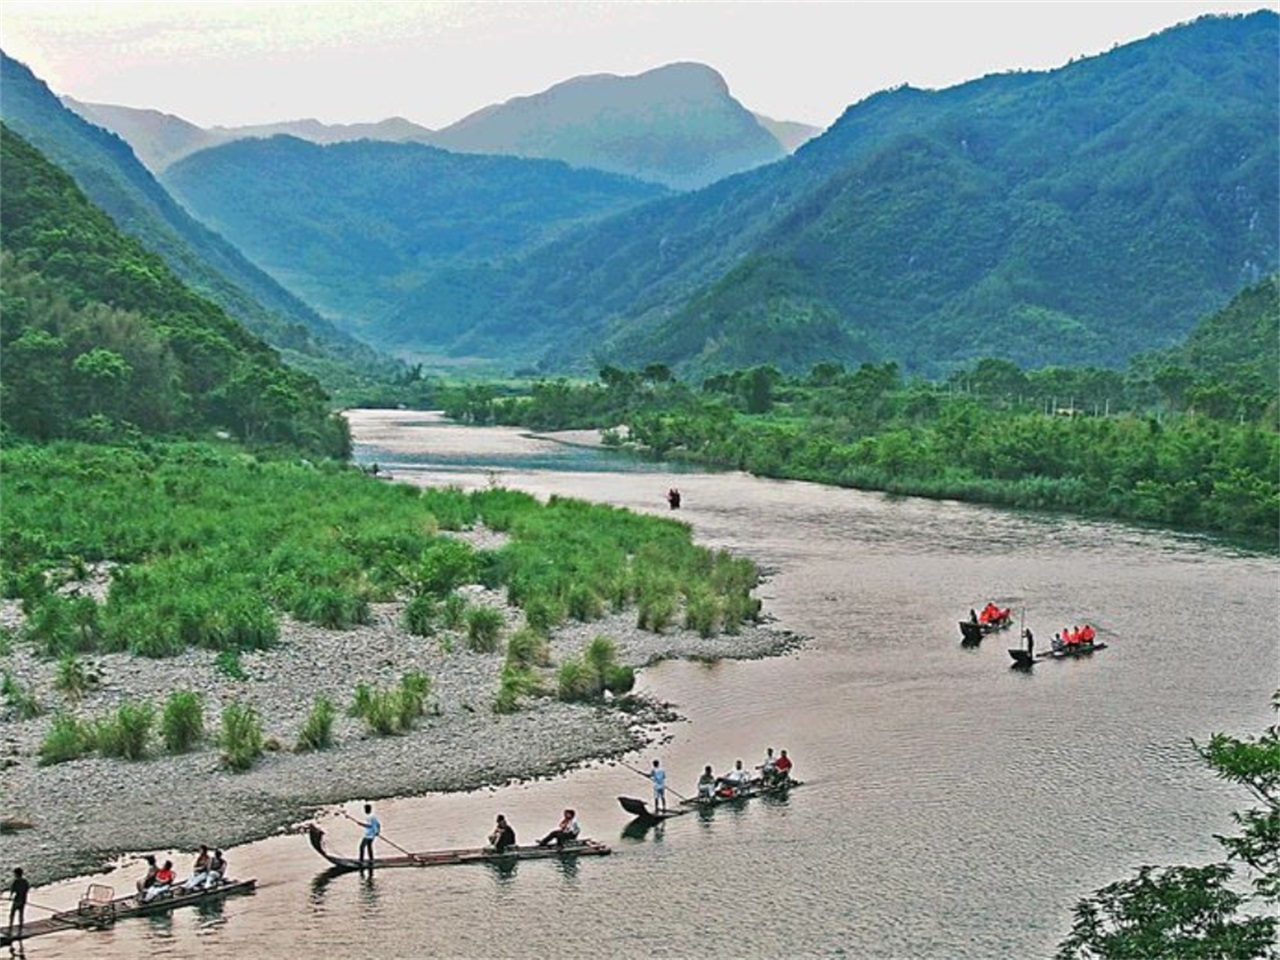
{"points": [[102, 341], [1185, 437]]}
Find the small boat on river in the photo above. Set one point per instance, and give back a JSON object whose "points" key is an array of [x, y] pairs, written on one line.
{"points": [[1023, 659], [972, 631], [640, 810], [440, 858], [99, 908], [753, 789]]}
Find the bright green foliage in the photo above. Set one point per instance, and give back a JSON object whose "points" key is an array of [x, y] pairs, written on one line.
{"points": [[66, 739], [317, 729], [516, 682], [1195, 912], [127, 732], [241, 736], [446, 564], [421, 614], [395, 710], [227, 663], [182, 722], [528, 648], [597, 670], [453, 611]]}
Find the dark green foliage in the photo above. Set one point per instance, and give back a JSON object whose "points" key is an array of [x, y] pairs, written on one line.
{"points": [[394, 710], [453, 611], [484, 624], [317, 729], [516, 682], [598, 670], [446, 564], [241, 738], [182, 722], [60, 625], [71, 680], [421, 615], [227, 663], [101, 339], [528, 648]]}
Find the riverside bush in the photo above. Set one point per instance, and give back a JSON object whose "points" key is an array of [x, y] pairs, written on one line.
{"points": [[227, 663], [421, 614], [241, 737], [66, 739], [453, 611], [528, 648], [515, 682], [127, 732], [317, 729], [484, 624], [22, 700], [182, 721]]}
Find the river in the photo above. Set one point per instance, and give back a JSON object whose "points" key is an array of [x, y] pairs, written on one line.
{"points": [[952, 807]]}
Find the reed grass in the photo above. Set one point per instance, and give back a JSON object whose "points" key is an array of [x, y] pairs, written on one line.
{"points": [[182, 721], [127, 732], [66, 739], [317, 729], [241, 737], [484, 626]]}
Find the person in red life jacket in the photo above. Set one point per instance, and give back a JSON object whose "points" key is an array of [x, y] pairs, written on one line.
{"points": [[1087, 634], [163, 882], [782, 768]]}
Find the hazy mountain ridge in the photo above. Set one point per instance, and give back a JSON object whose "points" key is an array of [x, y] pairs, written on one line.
{"points": [[105, 167], [677, 125], [350, 226]]}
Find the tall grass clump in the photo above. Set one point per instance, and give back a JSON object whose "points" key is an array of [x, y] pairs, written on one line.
{"points": [[241, 736], [127, 732], [392, 711], [58, 625], [543, 613], [182, 721], [515, 682], [453, 612], [484, 624], [703, 613], [228, 663], [71, 679], [446, 564], [317, 729], [330, 607], [66, 739], [22, 700], [421, 614], [584, 604], [415, 687], [597, 670], [527, 648]]}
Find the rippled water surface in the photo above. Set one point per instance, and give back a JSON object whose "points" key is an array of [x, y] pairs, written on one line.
{"points": [[952, 807]]}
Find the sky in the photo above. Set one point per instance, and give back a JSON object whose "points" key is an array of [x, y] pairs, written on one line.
{"points": [[433, 62]]}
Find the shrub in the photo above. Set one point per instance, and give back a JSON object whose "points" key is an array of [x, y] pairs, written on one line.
{"points": [[227, 663], [583, 604], [67, 739], [384, 712], [516, 682], [620, 678], [414, 689], [601, 653], [126, 733], [657, 612], [241, 739], [317, 729], [702, 613], [528, 648], [71, 679], [446, 564], [182, 722], [575, 681], [421, 614], [543, 613], [483, 626], [330, 607], [454, 611], [361, 701]]}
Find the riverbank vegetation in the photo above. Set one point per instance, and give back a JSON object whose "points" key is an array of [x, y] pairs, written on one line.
{"points": [[1186, 438]]}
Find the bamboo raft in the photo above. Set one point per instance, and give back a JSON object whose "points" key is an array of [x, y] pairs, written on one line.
{"points": [[99, 908], [440, 858]]}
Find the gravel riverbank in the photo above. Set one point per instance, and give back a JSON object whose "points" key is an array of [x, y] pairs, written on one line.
{"points": [[87, 812]]}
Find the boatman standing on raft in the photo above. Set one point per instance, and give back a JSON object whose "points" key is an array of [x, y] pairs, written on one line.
{"points": [[18, 901], [372, 827], [659, 778]]}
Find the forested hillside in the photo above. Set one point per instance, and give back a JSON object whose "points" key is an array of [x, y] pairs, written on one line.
{"points": [[349, 226], [102, 341], [111, 176], [1079, 215]]}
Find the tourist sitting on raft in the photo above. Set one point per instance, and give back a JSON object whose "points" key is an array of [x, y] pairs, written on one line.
{"points": [[707, 784], [733, 782], [161, 884], [991, 614], [565, 832], [782, 768], [769, 767], [503, 835]]}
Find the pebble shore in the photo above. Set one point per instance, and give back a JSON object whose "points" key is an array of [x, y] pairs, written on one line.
{"points": [[87, 812]]}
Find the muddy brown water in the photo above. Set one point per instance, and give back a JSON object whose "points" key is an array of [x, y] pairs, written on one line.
{"points": [[952, 807]]}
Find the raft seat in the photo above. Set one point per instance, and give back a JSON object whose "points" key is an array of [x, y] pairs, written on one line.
{"points": [[96, 904]]}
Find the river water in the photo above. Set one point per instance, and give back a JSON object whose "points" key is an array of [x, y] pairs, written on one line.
{"points": [[952, 807]]}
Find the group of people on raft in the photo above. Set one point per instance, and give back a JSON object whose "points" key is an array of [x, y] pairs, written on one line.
{"points": [[161, 881], [1074, 637], [991, 615], [503, 836], [774, 771]]}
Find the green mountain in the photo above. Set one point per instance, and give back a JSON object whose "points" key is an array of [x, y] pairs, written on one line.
{"points": [[101, 339], [109, 173], [1078, 215], [349, 227]]}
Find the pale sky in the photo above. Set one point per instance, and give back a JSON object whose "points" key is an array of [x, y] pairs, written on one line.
{"points": [[433, 62]]}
